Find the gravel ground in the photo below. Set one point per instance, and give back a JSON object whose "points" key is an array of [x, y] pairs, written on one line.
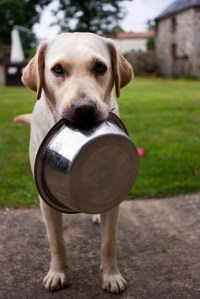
{"points": [[158, 249]]}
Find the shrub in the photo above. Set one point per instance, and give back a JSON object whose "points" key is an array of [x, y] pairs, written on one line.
{"points": [[143, 63]]}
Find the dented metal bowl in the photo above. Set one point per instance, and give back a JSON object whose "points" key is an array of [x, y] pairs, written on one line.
{"points": [[86, 169]]}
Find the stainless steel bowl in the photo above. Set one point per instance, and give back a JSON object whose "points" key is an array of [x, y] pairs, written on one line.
{"points": [[86, 169]]}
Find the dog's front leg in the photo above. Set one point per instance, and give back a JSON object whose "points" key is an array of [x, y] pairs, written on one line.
{"points": [[113, 281], [56, 278]]}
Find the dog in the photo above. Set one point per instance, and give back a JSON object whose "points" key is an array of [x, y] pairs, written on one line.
{"points": [[73, 77]]}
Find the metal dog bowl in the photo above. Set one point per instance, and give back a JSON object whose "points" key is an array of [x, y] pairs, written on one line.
{"points": [[89, 169]]}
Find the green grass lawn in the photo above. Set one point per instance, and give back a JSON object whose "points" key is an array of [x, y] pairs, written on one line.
{"points": [[163, 116]]}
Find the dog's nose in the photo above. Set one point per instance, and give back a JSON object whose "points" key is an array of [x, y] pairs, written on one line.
{"points": [[84, 111]]}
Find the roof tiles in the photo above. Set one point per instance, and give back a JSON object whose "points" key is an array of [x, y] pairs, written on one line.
{"points": [[178, 6]]}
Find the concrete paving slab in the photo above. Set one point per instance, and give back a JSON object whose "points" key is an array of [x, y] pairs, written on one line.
{"points": [[159, 252]]}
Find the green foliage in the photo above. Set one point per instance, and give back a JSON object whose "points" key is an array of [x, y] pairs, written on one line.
{"points": [[94, 16], [161, 115], [19, 12], [97, 16], [151, 24], [151, 43]]}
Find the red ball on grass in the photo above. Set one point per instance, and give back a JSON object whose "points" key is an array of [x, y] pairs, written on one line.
{"points": [[141, 151]]}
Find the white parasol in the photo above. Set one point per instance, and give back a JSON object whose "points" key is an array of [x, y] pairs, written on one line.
{"points": [[17, 53]]}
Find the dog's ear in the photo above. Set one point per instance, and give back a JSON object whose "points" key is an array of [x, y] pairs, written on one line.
{"points": [[122, 70], [33, 73]]}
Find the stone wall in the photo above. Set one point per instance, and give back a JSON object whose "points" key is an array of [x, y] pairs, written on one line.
{"points": [[196, 55], [178, 44]]}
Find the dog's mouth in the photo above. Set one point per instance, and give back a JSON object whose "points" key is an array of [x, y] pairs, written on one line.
{"points": [[88, 120], [86, 117]]}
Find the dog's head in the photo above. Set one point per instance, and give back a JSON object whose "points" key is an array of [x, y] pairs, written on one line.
{"points": [[77, 72]]}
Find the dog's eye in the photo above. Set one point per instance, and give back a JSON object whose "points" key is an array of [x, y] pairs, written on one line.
{"points": [[99, 68], [58, 70]]}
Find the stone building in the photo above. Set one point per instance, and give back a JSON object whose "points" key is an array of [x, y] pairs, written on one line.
{"points": [[178, 39]]}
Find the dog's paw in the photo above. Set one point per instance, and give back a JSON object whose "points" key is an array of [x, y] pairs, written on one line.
{"points": [[96, 219], [114, 283], [54, 280]]}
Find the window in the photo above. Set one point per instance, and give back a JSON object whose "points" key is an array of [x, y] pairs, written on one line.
{"points": [[173, 24], [174, 51]]}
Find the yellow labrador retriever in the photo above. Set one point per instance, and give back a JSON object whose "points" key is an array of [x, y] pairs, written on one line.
{"points": [[73, 76]]}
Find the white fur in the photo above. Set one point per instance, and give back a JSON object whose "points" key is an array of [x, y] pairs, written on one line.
{"points": [[77, 53]]}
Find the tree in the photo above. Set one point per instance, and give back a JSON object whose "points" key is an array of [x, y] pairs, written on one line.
{"points": [[97, 16], [151, 44], [151, 24], [18, 12]]}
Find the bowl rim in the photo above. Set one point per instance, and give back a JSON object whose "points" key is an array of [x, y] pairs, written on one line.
{"points": [[41, 185]]}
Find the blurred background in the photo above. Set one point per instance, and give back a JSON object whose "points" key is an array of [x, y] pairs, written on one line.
{"points": [[157, 37], [160, 107]]}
